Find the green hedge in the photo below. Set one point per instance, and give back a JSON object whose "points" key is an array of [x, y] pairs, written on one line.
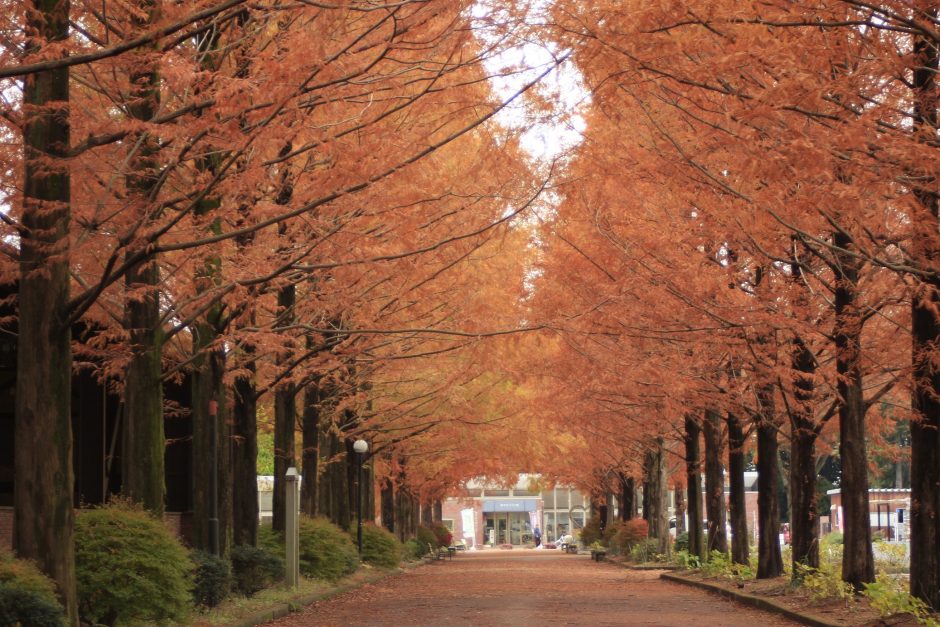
{"points": [[27, 596], [380, 547], [255, 568], [426, 538], [130, 568], [326, 551], [212, 579]]}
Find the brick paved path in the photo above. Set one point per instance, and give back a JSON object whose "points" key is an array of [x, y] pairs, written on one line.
{"points": [[528, 587]]}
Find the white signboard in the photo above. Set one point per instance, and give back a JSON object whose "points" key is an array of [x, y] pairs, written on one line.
{"points": [[466, 517]]}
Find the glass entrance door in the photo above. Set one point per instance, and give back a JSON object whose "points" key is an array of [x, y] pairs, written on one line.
{"points": [[502, 524]]}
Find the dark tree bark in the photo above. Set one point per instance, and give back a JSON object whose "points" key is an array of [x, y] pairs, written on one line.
{"points": [[627, 497], [925, 429], [426, 514], [804, 533], [717, 539], [310, 453], [658, 521], [737, 511], [438, 511], [212, 485], [43, 523], [285, 421], [693, 454], [388, 505], [680, 508], [769, 559], [647, 470], [858, 563], [142, 468], [245, 461]]}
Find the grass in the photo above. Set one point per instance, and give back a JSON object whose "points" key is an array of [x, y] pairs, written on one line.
{"points": [[236, 608]]}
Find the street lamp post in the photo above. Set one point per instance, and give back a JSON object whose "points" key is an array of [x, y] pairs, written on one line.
{"points": [[361, 447]]}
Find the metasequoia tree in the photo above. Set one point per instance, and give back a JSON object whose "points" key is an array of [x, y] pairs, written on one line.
{"points": [[43, 512]]}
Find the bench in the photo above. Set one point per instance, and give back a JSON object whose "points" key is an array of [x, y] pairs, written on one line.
{"points": [[598, 555], [569, 547], [438, 553]]}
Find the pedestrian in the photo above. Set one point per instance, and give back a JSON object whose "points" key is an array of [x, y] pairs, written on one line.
{"points": [[538, 537]]}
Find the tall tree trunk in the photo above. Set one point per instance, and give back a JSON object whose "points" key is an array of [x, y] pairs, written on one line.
{"points": [[388, 505], [647, 489], [142, 467], [717, 539], [693, 432], [627, 497], [245, 461], [737, 510], [658, 521], [212, 491], [804, 530], [43, 477], [426, 514], [769, 559], [858, 563], [925, 429], [680, 508], [285, 421], [438, 511], [310, 453]]}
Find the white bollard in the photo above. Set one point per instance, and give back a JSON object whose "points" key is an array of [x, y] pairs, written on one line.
{"points": [[292, 528]]}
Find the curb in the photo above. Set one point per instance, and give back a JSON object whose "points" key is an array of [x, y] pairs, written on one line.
{"points": [[754, 601], [297, 603]]}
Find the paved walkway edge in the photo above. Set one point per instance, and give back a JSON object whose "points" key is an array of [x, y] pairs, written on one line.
{"points": [[760, 603], [297, 603]]}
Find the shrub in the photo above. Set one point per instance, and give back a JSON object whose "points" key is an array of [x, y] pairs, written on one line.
{"points": [[824, 583], [688, 561], [444, 537], [591, 532], [26, 595], [889, 596], [19, 606], [646, 550], [380, 547], [255, 568], [130, 567], [271, 541], [627, 534], [682, 541], [412, 549], [212, 577], [326, 552], [426, 538]]}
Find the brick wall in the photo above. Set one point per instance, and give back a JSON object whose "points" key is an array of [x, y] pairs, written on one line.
{"points": [[180, 523], [6, 527]]}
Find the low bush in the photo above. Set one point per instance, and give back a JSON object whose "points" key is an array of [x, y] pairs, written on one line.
{"points": [[889, 596], [626, 535], [413, 550], [326, 552], [380, 547], [426, 538], [212, 578], [682, 542], [824, 583], [684, 559], [646, 550], [130, 568], [27, 596], [254, 568], [591, 532], [444, 537]]}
